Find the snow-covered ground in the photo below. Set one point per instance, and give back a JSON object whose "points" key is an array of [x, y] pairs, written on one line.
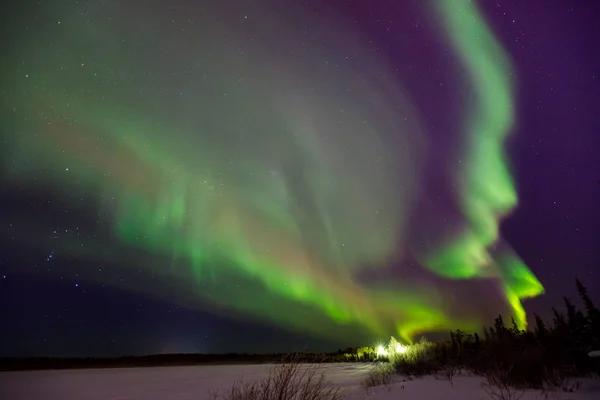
{"points": [[179, 383]]}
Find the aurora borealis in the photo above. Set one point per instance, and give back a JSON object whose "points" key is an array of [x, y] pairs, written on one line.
{"points": [[269, 161]]}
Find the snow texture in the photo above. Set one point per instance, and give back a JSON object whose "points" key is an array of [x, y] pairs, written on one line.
{"points": [[197, 382]]}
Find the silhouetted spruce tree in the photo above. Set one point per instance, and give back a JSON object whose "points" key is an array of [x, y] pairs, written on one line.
{"points": [[571, 311], [476, 344], [515, 328], [453, 346], [541, 331], [592, 317], [558, 320], [590, 308], [573, 335], [500, 328]]}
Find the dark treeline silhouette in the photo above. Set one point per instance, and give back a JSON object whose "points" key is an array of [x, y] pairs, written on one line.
{"points": [[536, 358], [364, 354]]}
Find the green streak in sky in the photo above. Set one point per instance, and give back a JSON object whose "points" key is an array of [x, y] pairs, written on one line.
{"points": [[486, 186]]}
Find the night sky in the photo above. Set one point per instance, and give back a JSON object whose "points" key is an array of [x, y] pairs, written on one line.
{"points": [[263, 176]]}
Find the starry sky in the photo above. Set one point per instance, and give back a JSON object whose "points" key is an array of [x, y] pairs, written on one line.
{"points": [[265, 176]]}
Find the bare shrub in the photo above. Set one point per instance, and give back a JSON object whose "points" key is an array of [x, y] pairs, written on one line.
{"points": [[498, 385], [556, 380], [449, 373], [570, 386], [286, 382]]}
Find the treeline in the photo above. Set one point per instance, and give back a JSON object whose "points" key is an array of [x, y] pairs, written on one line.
{"points": [[534, 358], [363, 354]]}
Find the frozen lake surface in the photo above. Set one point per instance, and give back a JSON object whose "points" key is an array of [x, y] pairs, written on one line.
{"points": [[197, 382]]}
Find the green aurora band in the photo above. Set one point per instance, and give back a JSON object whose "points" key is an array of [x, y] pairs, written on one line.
{"points": [[487, 190], [273, 207]]}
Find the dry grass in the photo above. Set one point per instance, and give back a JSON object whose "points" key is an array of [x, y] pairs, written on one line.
{"points": [[286, 382], [449, 373], [498, 386], [556, 381]]}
